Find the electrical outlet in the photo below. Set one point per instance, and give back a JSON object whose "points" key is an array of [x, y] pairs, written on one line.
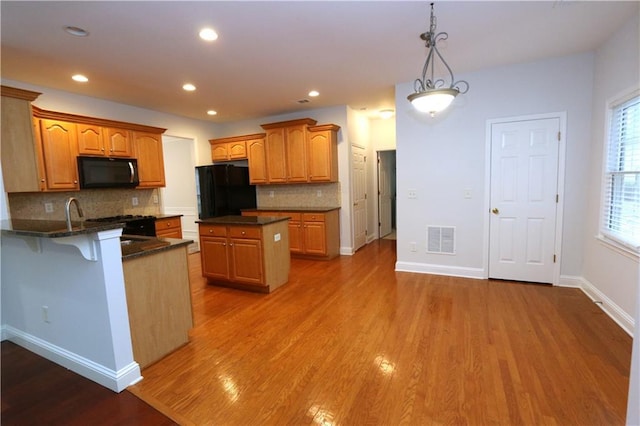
{"points": [[45, 314], [467, 193], [413, 194], [413, 247], [155, 198], [319, 193], [48, 207], [134, 201], [270, 194], [276, 237]]}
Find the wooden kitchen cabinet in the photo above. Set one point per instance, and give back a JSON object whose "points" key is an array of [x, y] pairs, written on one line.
{"points": [[246, 257], [22, 162], [312, 234], [322, 153], [169, 227], [257, 156], [286, 151], [59, 150], [104, 141], [232, 148], [148, 150]]}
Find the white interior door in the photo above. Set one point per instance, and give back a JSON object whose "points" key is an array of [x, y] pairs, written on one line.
{"points": [[359, 181], [524, 188], [384, 194]]}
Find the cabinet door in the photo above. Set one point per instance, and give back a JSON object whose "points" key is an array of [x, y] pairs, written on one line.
{"points": [[219, 152], [295, 236], [257, 156], [321, 160], [214, 257], [296, 142], [118, 142], [276, 156], [148, 151], [246, 261], [90, 139], [237, 150], [59, 148], [315, 241]]}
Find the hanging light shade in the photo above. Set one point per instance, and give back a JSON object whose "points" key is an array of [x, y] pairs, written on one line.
{"points": [[434, 95]]}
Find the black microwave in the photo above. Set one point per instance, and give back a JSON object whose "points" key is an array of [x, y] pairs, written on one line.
{"points": [[103, 172]]}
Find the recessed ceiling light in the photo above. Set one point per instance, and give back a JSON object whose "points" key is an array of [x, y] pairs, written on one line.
{"points": [[75, 31], [79, 78], [208, 34], [189, 87], [212, 112], [314, 93]]}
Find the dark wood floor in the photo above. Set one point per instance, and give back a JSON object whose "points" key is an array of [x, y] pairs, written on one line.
{"points": [[352, 342], [36, 391]]}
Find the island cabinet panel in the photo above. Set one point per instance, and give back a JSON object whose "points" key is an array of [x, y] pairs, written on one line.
{"points": [[247, 257], [158, 303], [22, 163], [59, 149], [148, 151], [170, 227], [257, 156]]}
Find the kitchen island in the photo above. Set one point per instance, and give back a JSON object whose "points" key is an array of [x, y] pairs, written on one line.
{"points": [[248, 253], [64, 296]]}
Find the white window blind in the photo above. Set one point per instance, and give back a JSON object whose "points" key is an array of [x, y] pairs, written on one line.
{"points": [[621, 206]]}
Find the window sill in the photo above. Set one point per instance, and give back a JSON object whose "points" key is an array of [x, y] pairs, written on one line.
{"points": [[618, 248]]}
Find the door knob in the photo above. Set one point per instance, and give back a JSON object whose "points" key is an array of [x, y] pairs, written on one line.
{"points": [[495, 210]]}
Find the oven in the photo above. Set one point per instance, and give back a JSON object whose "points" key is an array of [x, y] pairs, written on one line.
{"points": [[133, 224]]}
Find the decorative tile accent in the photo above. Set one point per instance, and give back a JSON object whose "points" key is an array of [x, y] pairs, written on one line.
{"points": [[94, 203], [303, 195]]}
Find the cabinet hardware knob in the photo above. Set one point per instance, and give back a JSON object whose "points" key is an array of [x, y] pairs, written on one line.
{"points": [[168, 224], [495, 210], [75, 181], [211, 231], [243, 233]]}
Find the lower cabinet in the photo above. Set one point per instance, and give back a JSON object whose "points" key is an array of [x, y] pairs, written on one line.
{"points": [[169, 227], [313, 234], [248, 257]]}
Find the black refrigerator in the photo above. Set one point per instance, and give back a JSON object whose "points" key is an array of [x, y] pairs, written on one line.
{"points": [[223, 189]]}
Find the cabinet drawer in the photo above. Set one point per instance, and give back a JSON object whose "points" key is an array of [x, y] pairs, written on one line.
{"points": [[244, 232], [313, 217], [171, 223], [213, 230]]}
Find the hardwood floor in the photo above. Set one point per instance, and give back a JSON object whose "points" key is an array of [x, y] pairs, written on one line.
{"points": [[36, 391], [352, 342]]}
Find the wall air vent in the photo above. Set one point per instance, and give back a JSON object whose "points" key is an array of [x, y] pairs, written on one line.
{"points": [[441, 239]]}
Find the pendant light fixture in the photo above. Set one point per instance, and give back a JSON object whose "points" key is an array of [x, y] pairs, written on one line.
{"points": [[434, 95]]}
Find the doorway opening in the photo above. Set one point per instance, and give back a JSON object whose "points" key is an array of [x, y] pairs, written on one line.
{"points": [[387, 194]]}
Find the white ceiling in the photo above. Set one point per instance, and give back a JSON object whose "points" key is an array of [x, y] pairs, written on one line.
{"points": [[270, 54]]}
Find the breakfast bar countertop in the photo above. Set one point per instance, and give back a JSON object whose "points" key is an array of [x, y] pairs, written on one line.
{"points": [[53, 228], [242, 220], [292, 209]]}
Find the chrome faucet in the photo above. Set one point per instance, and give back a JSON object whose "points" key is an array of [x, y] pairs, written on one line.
{"points": [[67, 208]]}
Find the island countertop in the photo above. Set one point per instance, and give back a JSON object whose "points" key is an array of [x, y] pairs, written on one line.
{"points": [[293, 209], [242, 220], [53, 228], [135, 245]]}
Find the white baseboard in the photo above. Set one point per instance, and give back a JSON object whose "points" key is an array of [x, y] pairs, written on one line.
{"points": [[346, 251], [615, 312], [117, 381], [455, 271]]}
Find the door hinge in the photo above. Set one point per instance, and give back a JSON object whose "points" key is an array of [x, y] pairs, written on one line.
{"points": [[557, 198], [554, 258], [559, 136]]}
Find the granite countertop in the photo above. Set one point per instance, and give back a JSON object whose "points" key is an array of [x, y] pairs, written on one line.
{"points": [[292, 209], [53, 228], [136, 246], [242, 220], [166, 216]]}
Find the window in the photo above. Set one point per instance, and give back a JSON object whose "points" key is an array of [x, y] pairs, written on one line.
{"points": [[621, 206]]}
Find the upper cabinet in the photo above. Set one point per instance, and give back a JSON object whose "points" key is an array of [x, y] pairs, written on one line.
{"points": [[297, 151], [233, 148], [39, 147], [148, 151], [104, 141]]}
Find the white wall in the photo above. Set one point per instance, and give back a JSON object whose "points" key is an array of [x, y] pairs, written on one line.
{"points": [[608, 273], [441, 157]]}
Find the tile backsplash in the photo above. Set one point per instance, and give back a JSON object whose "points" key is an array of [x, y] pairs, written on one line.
{"points": [[303, 195], [94, 203]]}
